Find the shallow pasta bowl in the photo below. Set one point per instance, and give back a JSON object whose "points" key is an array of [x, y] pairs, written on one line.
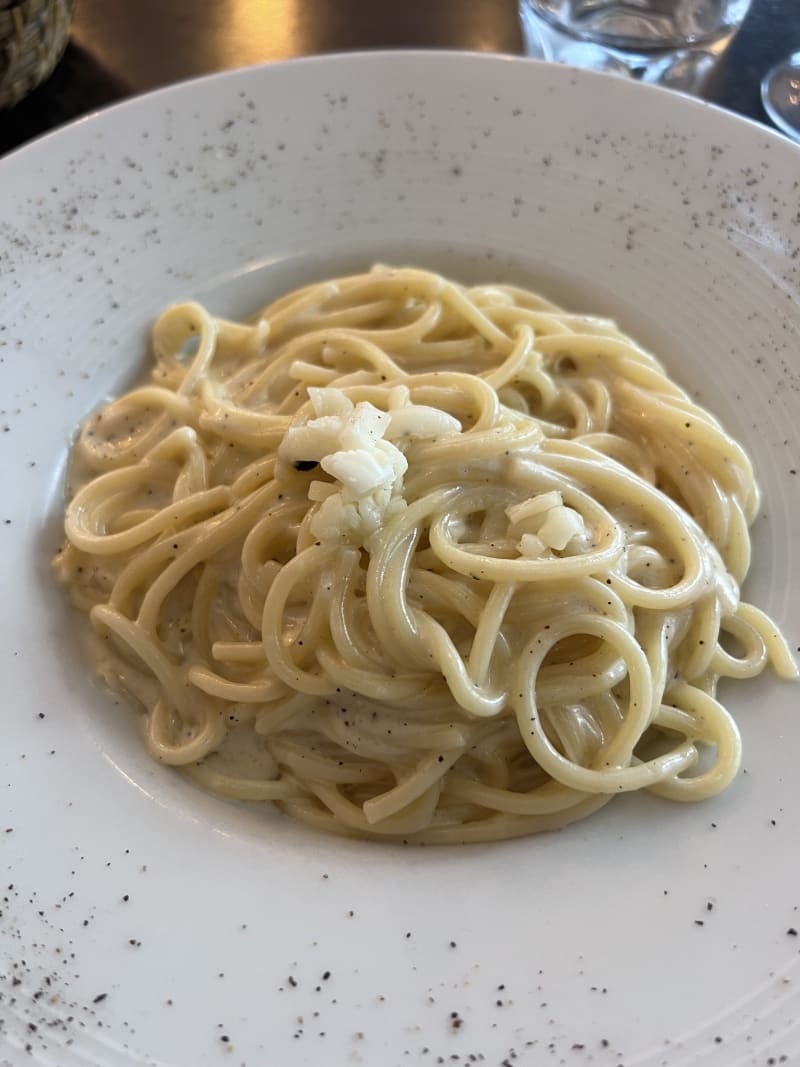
{"points": [[652, 933]]}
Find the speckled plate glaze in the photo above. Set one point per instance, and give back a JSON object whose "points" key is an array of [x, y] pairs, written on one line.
{"points": [[144, 922]]}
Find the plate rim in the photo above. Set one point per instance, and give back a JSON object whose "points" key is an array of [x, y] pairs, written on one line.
{"points": [[392, 55]]}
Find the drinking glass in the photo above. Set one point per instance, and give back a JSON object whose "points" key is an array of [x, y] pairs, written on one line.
{"points": [[780, 94], [671, 42]]}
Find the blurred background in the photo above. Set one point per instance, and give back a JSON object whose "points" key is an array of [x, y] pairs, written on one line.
{"points": [[121, 47]]}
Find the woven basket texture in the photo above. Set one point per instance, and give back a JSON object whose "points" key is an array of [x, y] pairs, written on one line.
{"points": [[33, 36]]}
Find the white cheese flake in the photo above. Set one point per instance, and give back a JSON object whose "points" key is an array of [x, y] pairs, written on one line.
{"points": [[531, 546], [560, 526], [355, 445], [545, 522], [534, 506], [330, 402], [359, 469]]}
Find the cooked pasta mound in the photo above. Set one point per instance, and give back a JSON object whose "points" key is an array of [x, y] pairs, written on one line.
{"points": [[418, 561]]}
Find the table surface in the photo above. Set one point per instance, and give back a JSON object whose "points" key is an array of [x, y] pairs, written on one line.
{"points": [[121, 47]]}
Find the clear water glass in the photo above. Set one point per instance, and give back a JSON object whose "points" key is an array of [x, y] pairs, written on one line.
{"points": [[671, 42], [780, 95]]}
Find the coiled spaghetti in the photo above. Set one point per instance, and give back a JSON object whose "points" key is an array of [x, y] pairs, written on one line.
{"points": [[418, 561]]}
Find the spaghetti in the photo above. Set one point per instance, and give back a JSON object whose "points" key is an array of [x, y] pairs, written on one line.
{"points": [[418, 561]]}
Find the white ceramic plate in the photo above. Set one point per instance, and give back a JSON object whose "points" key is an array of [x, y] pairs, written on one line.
{"points": [[147, 922]]}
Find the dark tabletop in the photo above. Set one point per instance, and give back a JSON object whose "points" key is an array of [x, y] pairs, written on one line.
{"points": [[122, 47]]}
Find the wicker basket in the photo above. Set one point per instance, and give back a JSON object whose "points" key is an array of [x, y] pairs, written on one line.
{"points": [[33, 36]]}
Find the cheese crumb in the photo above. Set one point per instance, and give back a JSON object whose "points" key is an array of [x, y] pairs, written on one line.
{"points": [[545, 523], [360, 447]]}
